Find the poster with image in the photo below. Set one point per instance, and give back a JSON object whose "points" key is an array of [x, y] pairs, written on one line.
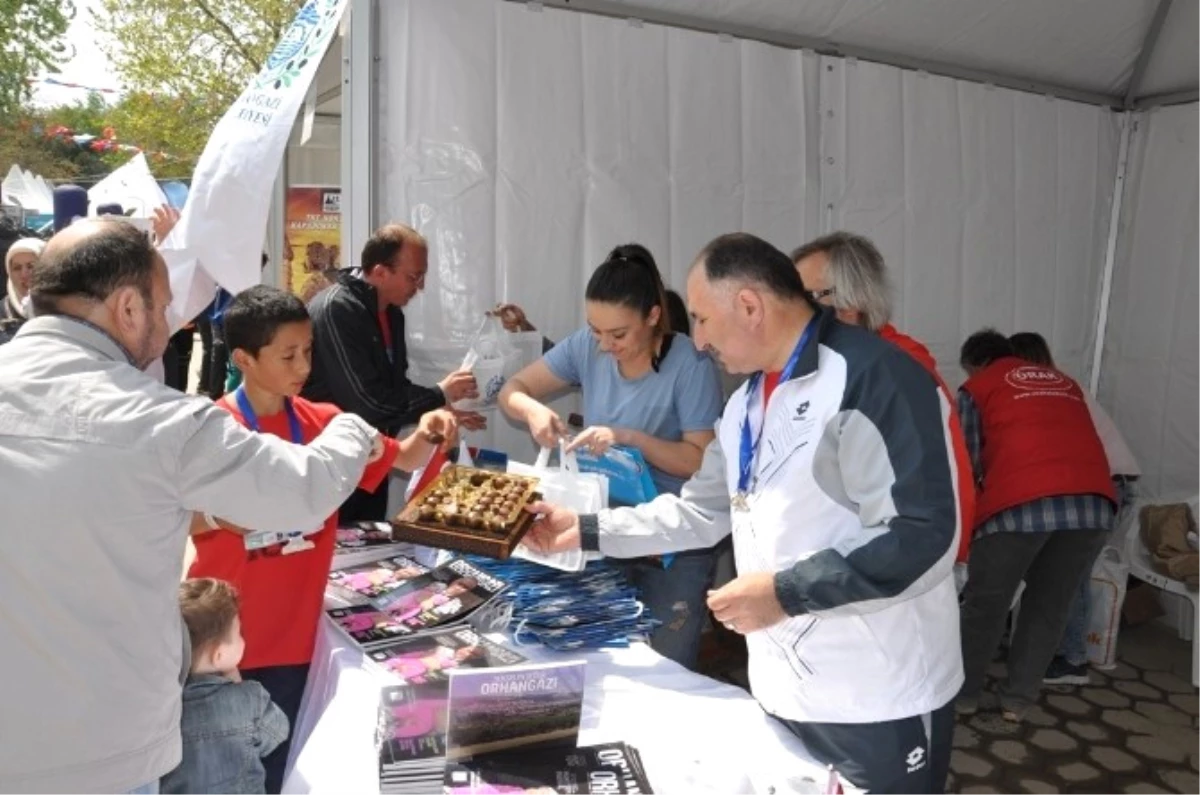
{"points": [[312, 239]]}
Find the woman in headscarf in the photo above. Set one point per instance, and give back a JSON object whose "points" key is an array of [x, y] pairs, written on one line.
{"points": [[18, 263]]}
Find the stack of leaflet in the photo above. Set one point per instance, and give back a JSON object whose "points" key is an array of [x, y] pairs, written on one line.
{"points": [[398, 598], [614, 768], [359, 543], [565, 611], [411, 733]]}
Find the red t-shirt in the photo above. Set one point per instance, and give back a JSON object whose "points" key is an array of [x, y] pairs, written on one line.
{"points": [[770, 381], [281, 595]]}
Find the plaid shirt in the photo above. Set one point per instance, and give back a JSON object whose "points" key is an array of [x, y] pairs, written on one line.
{"points": [[1062, 512]]}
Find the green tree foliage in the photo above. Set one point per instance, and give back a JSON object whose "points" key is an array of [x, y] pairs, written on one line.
{"points": [[184, 62], [31, 40], [27, 140]]}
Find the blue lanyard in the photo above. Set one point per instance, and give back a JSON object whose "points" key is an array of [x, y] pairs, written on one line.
{"points": [[252, 419], [749, 447]]}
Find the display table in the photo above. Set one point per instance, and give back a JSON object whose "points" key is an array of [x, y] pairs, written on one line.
{"points": [[695, 734]]}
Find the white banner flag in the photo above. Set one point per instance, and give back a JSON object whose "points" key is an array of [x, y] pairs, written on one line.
{"points": [[132, 186], [219, 238]]}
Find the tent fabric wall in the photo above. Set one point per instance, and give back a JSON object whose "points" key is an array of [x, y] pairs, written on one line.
{"points": [[526, 142], [990, 206], [1148, 375]]}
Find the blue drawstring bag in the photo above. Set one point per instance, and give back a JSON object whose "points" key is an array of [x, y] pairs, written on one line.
{"points": [[629, 480]]}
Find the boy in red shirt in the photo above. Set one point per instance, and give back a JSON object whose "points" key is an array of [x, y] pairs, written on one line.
{"points": [[269, 335]]}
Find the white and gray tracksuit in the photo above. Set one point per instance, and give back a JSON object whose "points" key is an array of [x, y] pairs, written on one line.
{"points": [[853, 506]]}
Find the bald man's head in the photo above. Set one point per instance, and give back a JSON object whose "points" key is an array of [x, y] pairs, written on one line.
{"points": [[89, 260], [108, 273]]}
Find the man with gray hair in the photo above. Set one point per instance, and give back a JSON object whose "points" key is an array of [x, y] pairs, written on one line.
{"points": [[845, 271], [101, 470]]}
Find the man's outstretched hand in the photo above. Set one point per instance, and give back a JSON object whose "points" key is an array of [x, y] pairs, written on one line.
{"points": [[555, 529]]}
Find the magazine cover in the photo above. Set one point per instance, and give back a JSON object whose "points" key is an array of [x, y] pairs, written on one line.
{"points": [[525, 706], [363, 534], [367, 625], [606, 768], [373, 581], [411, 737], [440, 597], [429, 658], [436, 599]]}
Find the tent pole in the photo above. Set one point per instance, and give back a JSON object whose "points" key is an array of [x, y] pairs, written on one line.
{"points": [[358, 123], [1110, 251], [1160, 100], [1147, 51]]}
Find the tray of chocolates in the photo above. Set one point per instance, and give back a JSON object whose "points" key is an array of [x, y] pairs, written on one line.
{"points": [[469, 510]]}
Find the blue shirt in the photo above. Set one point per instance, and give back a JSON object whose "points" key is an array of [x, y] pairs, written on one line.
{"points": [[683, 396]]}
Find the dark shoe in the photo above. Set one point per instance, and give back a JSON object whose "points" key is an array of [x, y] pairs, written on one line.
{"points": [[1062, 672]]}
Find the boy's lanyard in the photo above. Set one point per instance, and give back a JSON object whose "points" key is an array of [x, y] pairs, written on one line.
{"points": [[251, 418], [294, 541]]}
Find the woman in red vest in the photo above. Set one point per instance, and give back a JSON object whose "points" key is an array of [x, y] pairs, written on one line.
{"points": [[1045, 507], [846, 271]]}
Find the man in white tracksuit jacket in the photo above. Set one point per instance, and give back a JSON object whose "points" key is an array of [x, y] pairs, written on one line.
{"points": [[839, 491]]}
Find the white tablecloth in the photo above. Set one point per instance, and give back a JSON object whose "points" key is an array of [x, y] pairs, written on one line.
{"points": [[695, 734]]}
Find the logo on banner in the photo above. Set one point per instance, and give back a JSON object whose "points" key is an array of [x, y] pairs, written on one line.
{"points": [[1032, 377], [305, 39]]}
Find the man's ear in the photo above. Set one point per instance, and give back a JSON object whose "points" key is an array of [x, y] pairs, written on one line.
{"points": [[748, 304], [127, 306]]}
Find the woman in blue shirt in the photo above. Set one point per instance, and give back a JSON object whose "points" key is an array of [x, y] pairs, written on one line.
{"points": [[643, 387]]}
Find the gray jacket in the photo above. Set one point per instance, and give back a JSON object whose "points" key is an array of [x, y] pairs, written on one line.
{"points": [[228, 727], [100, 469]]}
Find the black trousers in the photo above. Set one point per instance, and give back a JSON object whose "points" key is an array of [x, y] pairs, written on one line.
{"points": [[363, 506], [177, 359], [285, 684], [1052, 564], [218, 362], [906, 755]]}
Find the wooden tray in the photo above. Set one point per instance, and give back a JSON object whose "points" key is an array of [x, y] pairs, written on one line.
{"points": [[468, 486]]}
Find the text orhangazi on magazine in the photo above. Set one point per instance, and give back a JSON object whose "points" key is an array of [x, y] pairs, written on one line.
{"points": [[543, 684]]}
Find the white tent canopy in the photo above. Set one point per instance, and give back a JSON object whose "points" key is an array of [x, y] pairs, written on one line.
{"points": [[29, 191], [986, 145], [1079, 49]]}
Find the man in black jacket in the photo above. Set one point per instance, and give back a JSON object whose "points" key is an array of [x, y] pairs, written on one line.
{"points": [[360, 361]]}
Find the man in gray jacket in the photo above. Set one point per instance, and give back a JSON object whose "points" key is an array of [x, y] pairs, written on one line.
{"points": [[101, 469]]}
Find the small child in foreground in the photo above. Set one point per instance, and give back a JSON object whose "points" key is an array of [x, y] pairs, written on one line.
{"points": [[228, 725]]}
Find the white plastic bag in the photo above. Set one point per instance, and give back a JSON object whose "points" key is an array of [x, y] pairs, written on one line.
{"points": [[492, 359], [1110, 575], [568, 487]]}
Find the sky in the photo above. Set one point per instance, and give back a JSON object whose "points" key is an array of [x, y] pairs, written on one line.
{"points": [[86, 64]]}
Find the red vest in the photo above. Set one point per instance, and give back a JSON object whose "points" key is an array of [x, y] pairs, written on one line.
{"points": [[962, 456], [1038, 437]]}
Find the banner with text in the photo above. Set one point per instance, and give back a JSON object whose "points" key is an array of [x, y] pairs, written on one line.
{"points": [[219, 239]]}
